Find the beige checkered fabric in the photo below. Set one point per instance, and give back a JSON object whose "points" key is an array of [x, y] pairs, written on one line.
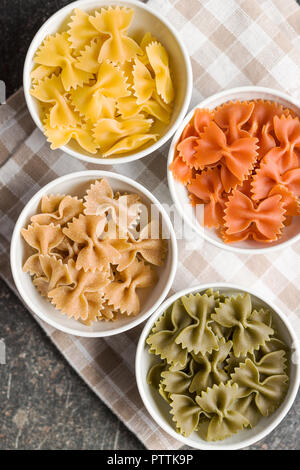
{"points": [[231, 43]]}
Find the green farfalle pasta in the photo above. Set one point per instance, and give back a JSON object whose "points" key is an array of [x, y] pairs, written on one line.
{"points": [[163, 339], [249, 333], [269, 393], [222, 366], [198, 336], [185, 413], [219, 403], [209, 368]]}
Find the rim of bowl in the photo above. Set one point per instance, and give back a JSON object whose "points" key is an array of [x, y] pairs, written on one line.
{"points": [[171, 180], [139, 371], [93, 174], [114, 160]]}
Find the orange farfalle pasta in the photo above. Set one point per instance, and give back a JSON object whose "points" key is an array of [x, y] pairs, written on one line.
{"points": [[92, 72], [269, 174], [232, 116], [261, 125], [267, 216], [238, 160], [181, 171], [207, 189], [91, 255], [238, 157]]}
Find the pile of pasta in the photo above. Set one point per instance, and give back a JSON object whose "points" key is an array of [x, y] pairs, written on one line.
{"points": [[242, 161], [86, 260], [222, 365], [99, 86]]}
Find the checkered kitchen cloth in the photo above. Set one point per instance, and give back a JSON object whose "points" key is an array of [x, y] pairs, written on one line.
{"points": [[231, 43]]}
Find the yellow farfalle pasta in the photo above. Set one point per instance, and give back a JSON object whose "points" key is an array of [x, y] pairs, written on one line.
{"points": [[94, 71], [51, 91], [159, 61], [108, 132], [99, 99], [77, 256], [61, 135], [56, 52], [115, 22], [143, 83], [81, 31]]}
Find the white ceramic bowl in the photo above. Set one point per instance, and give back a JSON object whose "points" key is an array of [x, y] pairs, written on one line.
{"points": [[145, 19], [76, 184], [160, 410], [179, 192]]}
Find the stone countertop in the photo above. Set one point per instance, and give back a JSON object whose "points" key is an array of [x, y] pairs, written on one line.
{"points": [[44, 404]]}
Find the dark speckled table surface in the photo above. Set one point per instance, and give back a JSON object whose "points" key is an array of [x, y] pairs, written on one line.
{"points": [[43, 403]]}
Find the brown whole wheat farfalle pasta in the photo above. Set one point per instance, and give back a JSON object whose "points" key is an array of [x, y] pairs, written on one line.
{"points": [[86, 259]]}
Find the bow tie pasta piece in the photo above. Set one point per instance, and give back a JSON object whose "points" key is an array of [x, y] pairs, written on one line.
{"points": [[287, 131], [68, 249], [107, 132], [40, 72], [209, 368], [121, 293], [61, 209], [42, 238], [81, 31], [88, 58], [98, 100], [59, 136], [56, 52], [154, 374], [159, 62], [207, 188], [186, 413], [198, 336], [181, 171], [152, 250], [125, 209], [168, 327], [267, 217], [54, 274], [239, 156], [143, 83], [74, 300], [96, 254], [246, 407], [115, 22], [272, 363], [260, 124], [218, 402], [269, 393], [177, 381], [290, 202], [249, 333], [128, 108], [232, 117], [146, 40], [132, 142], [286, 156], [269, 175], [51, 91]]}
